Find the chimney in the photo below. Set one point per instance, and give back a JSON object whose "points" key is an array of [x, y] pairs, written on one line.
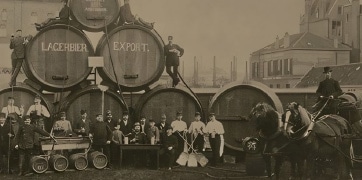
{"points": [[286, 40], [276, 44], [214, 73], [335, 42]]}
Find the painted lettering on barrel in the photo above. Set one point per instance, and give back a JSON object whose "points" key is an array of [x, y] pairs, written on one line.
{"points": [[68, 47], [95, 6], [132, 47]]}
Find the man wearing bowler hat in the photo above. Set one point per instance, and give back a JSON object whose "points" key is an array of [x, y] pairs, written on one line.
{"points": [[328, 89], [173, 52], [126, 125]]}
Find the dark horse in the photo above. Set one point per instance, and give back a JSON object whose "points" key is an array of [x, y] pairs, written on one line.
{"points": [[316, 139]]}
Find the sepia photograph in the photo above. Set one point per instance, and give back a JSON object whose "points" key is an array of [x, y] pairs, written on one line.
{"points": [[181, 89]]}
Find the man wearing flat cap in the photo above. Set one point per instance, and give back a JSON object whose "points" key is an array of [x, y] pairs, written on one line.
{"points": [[62, 127], [328, 89], [179, 128], [38, 112], [82, 126], [196, 130], [11, 108], [173, 52], [216, 131], [110, 121]]}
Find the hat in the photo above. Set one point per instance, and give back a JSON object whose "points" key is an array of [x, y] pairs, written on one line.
{"points": [[170, 38], [211, 114], [98, 114], [37, 97], [18, 30], [197, 114], [327, 70], [163, 116], [125, 113], [168, 127], [62, 113], [26, 117], [10, 97], [2, 115], [143, 117], [82, 112], [178, 113], [137, 124], [151, 120]]}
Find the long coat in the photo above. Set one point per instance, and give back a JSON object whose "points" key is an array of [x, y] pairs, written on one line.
{"points": [[25, 136]]}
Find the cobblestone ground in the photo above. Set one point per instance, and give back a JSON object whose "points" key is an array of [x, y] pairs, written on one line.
{"points": [[224, 171]]}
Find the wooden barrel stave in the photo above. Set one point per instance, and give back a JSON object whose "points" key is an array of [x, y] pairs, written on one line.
{"points": [[137, 55], [55, 53], [232, 105]]}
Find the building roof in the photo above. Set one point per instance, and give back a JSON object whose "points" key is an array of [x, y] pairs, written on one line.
{"points": [[349, 74], [305, 40]]}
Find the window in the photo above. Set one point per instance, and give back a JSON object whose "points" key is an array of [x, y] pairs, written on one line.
{"points": [[4, 15], [336, 28], [275, 67], [287, 85], [288, 66], [3, 32], [339, 9], [347, 17], [317, 13], [278, 85], [271, 85], [270, 69]]}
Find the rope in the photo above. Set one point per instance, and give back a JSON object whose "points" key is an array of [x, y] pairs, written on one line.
{"points": [[112, 64], [316, 114]]}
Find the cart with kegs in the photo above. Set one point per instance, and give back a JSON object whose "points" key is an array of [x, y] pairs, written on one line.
{"points": [[61, 153]]}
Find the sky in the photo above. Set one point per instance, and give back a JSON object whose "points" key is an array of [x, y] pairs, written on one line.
{"points": [[221, 28]]}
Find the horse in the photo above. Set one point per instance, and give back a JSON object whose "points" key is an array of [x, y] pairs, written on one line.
{"points": [[275, 143], [319, 139]]}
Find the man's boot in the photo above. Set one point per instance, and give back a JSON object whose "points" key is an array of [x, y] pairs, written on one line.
{"points": [[21, 164]]}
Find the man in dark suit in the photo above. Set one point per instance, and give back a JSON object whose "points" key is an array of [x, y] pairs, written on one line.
{"points": [[110, 121], [126, 125], [126, 17], [63, 17], [82, 126], [17, 44], [161, 126], [173, 52], [328, 90], [143, 124], [6, 132]]}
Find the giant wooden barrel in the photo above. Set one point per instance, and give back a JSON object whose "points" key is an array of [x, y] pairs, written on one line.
{"points": [[58, 162], [232, 105], [90, 99], [135, 55], [165, 100], [39, 164], [94, 15], [57, 58]]}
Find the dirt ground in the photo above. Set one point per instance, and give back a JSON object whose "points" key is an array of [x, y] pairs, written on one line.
{"points": [[224, 171]]}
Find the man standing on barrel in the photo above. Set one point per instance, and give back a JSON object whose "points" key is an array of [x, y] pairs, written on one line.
{"points": [[327, 91], [215, 130], [173, 52]]}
